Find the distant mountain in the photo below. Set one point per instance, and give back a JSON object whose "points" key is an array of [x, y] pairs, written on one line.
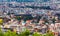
{"points": [[25, 0], [17, 0]]}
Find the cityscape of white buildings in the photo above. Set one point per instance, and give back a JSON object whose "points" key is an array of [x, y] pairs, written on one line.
{"points": [[6, 6], [27, 8]]}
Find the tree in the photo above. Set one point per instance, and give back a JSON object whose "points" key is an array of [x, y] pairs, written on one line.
{"points": [[1, 21], [18, 18], [49, 33], [37, 34], [26, 33], [1, 33], [10, 33]]}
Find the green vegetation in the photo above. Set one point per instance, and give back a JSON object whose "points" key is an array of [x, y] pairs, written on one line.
{"points": [[18, 18], [24, 18], [37, 34], [1, 21], [25, 33]]}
